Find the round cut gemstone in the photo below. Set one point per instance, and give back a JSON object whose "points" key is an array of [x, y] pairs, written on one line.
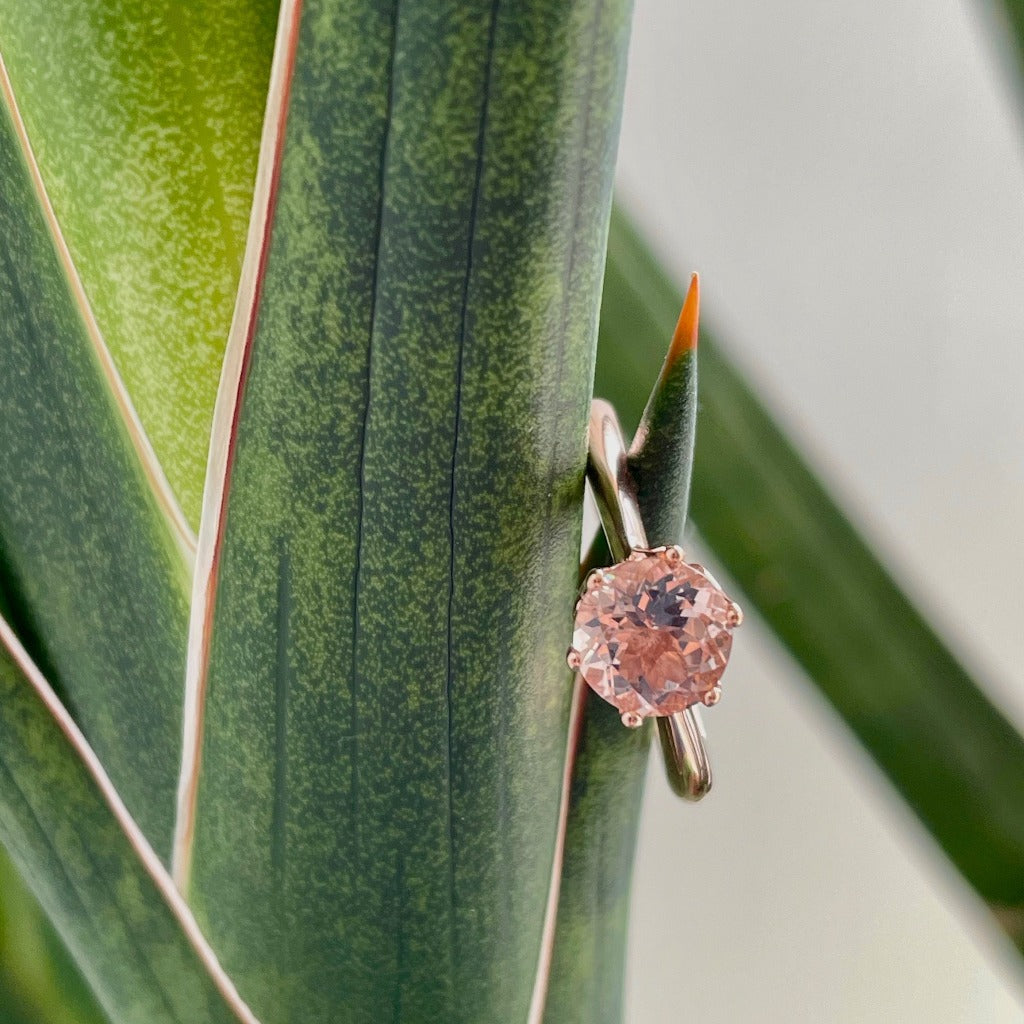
{"points": [[653, 634]]}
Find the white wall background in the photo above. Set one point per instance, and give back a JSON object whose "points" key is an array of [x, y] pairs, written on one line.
{"points": [[849, 180]]}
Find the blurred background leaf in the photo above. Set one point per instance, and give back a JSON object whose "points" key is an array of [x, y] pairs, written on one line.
{"points": [[950, 753], [39, 983]]}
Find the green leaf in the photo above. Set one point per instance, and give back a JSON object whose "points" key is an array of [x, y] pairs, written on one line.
{"points": [[1009, 23], [85, 859], [661, 454], [593, 911], [93, 568], [145, 118], [587, 972], [39, 984], [386, 694], [952, 756]]}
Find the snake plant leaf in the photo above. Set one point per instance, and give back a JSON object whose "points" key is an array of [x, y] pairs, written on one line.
{"points": [[1006, 20], [145, 119], [587, 971], [72, 838], [393, 548], [611, 761], [13, 1003], [949, 752], [661, 455], [94, 570], [39, 983]]}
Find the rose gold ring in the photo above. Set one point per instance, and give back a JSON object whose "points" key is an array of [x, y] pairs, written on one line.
{"points": [[653, 632]]}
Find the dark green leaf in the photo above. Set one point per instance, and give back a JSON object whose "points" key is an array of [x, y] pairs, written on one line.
{"points": [[387, 693], [1008, 25], [661, 455], [85, 860], [593, 911]]}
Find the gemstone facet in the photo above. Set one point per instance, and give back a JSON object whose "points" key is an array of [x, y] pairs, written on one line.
{"points": [[653, 634]]}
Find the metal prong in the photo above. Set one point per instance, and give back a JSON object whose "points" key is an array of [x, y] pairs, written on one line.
{"points": [[735, 614], [673, 554], [712, 697], [573, 660], [686, 759], [595, 579], [631, 720]]}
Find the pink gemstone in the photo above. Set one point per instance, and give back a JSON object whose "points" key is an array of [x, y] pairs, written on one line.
{"points": [[653, 637]]}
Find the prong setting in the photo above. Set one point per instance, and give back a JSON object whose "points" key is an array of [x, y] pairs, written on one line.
{"points": [[573, 659], [654, 591], [712, 697], [673, 554], [735, 614], [598, 613]]}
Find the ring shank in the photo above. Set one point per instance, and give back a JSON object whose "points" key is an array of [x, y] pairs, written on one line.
{"points": [[681, 734]]}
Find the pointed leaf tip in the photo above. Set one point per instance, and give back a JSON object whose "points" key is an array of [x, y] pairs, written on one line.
{"points": [[685, 337]]}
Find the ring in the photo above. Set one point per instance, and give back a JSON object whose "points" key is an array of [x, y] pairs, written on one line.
{"points": [[653, 632]]}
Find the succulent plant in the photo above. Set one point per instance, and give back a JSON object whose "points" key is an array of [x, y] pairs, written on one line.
{"points": [[298, 320]]}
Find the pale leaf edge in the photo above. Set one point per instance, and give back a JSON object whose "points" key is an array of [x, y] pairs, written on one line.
{"points": [[542, 978], [224, 431]]}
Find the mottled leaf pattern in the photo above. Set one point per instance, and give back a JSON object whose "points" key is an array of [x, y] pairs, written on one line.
{"points": [[387, 693], [69, 834], [145, 118], [91, 566]]}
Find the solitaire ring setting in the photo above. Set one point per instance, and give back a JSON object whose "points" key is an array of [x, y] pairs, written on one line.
{"points": [[653, 632]]}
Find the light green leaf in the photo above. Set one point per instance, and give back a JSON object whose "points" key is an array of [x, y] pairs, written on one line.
{"points": [[94, 569], [386, 694], [145, 118], [39, 984], [87, 862]]}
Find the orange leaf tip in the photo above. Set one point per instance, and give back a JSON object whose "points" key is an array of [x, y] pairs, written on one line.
{"points": [[685, 337]]}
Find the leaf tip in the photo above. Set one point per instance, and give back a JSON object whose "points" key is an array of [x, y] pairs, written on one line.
{"points": [[684, 339]]}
